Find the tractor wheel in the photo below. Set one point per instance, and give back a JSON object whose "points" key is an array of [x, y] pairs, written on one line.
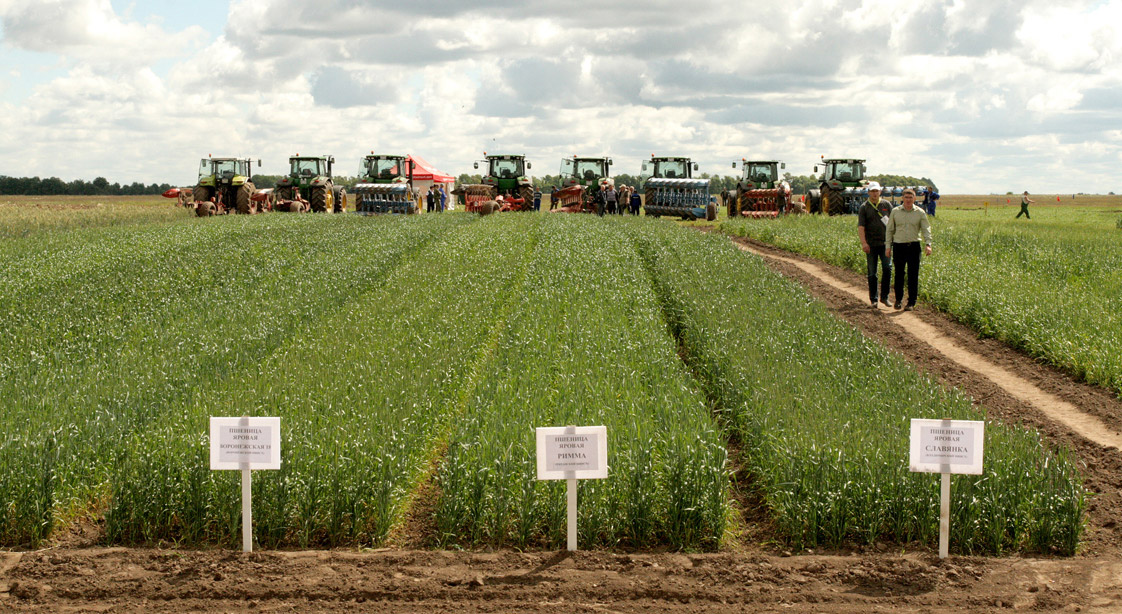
{"points": [[648, 197], [246, 206], [711, 212], [526, 193], [340, 199], [486, 207], [319, 199], [814, 201], [205, 208], [202, 192], [832, 202], [743, 201]]}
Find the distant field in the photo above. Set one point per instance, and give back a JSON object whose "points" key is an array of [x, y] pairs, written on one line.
{"points": [[21, 216]]}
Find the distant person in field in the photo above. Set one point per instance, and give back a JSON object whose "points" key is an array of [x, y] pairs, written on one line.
{"points": [[905, 225], [636, 202], [930, 200], [443, 199], [872, 222], [430, 200], [552, 198], [1025, 202]]}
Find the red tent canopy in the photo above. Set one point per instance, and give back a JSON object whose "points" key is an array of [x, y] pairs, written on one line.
{"points": [[423, 171]]}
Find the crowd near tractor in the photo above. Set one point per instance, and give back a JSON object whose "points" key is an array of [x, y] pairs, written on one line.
{"points": [[841, 187], [581, 182], [505, 184], [759, 191], [309, 187], [385, 185], [224, 185], [670, 189]]}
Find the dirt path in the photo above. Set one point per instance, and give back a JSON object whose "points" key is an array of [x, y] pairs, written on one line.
{"points": [[1086, 425]]}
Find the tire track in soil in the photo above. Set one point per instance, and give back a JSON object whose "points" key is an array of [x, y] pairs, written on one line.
{"points": [[1097, 410]]}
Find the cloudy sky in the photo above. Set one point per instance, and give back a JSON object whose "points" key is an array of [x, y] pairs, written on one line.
{"points": [[980, 95]]}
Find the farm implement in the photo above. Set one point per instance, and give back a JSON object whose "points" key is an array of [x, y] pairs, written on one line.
{"points": [[309, 187], [505, 178], [581, 181], [841, 187], [386, 185], [224, 185], [760, 192], [670, 189]]}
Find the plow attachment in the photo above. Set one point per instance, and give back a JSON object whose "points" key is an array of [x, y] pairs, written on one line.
{"points": [[685, 198], [571, 200], [371, 198]]}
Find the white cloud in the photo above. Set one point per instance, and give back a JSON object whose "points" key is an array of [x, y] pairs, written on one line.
{"points": [[924, 87]]}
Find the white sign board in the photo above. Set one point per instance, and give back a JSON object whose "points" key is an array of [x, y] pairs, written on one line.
{"points": [[947, 446], [245, 443], [572, 452]]}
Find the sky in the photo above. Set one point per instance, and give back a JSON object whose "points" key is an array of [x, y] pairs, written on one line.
{"points": [[982, 96]]}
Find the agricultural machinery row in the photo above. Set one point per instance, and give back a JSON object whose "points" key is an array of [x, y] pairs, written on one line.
{"points": [[386, 185], [225, 186]]}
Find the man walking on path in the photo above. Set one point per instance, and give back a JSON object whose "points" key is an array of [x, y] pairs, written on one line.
{"points": [[872, 219], [1025, 202], [905, 224]]}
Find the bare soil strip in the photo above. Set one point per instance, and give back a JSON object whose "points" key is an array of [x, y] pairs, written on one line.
{"points": [[1057, 409], [133, 580]]}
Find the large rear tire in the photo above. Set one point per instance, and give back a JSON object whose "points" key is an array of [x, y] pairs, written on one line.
{"points": [[246, 205], [832, 202], [711, 212], [340, 199], [202, 192], [648, 198], [526, 193], [319, 199]]}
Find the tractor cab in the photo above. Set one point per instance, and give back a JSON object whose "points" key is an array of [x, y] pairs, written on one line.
{"points": [[842, 173], [224, 170], [759, 174], [506, 172], [384, 169], [584, 171], [667, 168]]}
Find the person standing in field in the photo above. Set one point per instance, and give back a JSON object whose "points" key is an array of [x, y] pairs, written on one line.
{"points": [[872, 221], [430, 200], [609, 199], [552, 198], [443, 198], [636, 202], [905, 225], [1025, 202]]}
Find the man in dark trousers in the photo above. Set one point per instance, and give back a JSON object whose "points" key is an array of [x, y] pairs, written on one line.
{"points": [[430, 200], [905, 225], [872, 221]]}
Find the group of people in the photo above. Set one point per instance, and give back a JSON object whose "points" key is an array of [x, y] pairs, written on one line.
{"points": [[436, 199], [625, 199], [891, 239]]}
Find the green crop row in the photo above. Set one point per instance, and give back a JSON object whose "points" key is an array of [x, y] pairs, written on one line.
{"points": [[586, 345], [823, 415], [104, 332], [362, 396], [416, 355], [1050, 286]]}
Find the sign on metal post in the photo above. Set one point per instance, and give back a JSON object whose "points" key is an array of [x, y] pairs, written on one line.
{"points": [[246, 444], [946, 447], [572, 453]]}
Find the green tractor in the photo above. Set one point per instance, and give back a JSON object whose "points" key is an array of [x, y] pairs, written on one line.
{"points": [[309, 187], [670, 189], [224, 186], [506, 177], [581, 180], [841, 187], [385, 185], [759, 192]]}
